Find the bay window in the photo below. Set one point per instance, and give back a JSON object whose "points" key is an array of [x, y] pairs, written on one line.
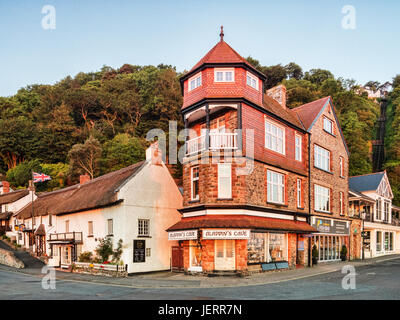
{"points": [[195, 183], [321, 198], [195, 82], [224, 181], [224, 75], [274, 137], [275, 187], [252, 81]]}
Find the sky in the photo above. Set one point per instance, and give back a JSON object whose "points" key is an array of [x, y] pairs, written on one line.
{"points": [[91, 33]]}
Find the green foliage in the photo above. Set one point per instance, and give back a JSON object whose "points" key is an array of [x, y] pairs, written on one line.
{"points": [[22, 173], [84, 158], [117, 252], [86, 256], [396, 82], [58, 173], [104, 249], [122, 151]]}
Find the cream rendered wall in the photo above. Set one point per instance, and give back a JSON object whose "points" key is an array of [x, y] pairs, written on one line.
{"points": [[153, 195]]}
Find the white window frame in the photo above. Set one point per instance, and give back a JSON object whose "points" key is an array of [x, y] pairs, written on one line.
{"points": [[67, 226], [324, 155], [341, 202], [192, 180], [278, 185], [253, 83], [320, 198], [298, 147], [270, 136], [341, 166], [224, 72], [143, 227], [299, 193], [90, 228], [110, 232], [330, 128], [196, 80], [224, 181]]}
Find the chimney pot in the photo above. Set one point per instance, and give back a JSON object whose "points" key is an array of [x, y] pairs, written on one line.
{"points": [[84, 178]]}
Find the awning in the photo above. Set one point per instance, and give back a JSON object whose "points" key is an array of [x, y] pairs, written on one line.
{"points": [[242, 221]]}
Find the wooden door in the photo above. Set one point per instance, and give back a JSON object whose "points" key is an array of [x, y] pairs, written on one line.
{"points": [[177, 258], [224, 255]]}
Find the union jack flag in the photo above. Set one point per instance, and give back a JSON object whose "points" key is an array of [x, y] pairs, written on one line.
{"points": [[40, 177]]}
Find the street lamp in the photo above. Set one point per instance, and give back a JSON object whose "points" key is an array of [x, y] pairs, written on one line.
{"points": [[363, 215]]}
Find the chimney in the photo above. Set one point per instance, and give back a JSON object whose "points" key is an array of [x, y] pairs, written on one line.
{"points": [[6, 186], [84, 178], [278, 93], [154, 154]]}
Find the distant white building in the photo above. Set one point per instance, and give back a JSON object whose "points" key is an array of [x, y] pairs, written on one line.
{"points": [[136, 204]]}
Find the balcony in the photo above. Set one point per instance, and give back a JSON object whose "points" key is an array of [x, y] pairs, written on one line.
{"points": [[73, 237], [216, 142]]}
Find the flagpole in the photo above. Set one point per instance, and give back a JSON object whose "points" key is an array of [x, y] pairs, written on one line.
{"points": [[33, 218]]}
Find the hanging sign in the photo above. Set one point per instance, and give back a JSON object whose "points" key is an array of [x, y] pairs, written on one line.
{"points": [[226, 234], [183, 235]]}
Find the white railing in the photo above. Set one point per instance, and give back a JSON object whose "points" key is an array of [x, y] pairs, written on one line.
{"points": [[223, 141], [196, 145], [100, 266], [218, 141]]}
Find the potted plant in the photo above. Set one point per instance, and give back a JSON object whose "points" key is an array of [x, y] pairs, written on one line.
{"points": [[343, 253], [314, 254]]}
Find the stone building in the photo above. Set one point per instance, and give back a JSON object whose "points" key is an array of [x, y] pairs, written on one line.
{"points": [[245, 173]]}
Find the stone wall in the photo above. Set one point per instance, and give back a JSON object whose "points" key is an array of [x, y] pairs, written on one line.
{"points": [[9, 259]]}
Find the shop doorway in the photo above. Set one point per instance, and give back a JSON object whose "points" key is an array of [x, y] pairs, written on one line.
{"points": [[177, 258], [224, 255]]}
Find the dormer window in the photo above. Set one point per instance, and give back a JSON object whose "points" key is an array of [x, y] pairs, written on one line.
{"points": [[195, 82], [224, 75], [328, 125], [252, 81]]}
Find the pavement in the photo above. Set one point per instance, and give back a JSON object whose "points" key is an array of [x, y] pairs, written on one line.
{"points": [[375, 280], [180, 280]]}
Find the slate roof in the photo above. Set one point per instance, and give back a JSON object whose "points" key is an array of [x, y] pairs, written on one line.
{"points": [[96, 193], [13, 196], [366, 182], [241, 221], [309, 111]]}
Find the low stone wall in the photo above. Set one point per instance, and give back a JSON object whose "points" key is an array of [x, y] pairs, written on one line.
{"points": [[9, 259]]}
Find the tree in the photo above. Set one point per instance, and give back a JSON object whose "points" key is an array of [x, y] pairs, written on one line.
{"points": [[318, 76], [373, 85], [396, 81], [84, 158], [122, 151], [294, 71], [104, 249], [20, 175], [275, 75]]}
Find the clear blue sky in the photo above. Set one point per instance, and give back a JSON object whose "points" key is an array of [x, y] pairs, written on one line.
{"points": [[93, 33]]}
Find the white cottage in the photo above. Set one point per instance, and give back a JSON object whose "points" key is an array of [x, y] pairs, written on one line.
{"points": [[381, 231], [136, 204]]}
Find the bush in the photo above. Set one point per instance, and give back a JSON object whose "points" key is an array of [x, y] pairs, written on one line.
{"points": [[85, 256], [343, 253], [104, 249]]}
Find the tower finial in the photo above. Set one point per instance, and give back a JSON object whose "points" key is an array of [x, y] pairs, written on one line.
{"points": [[222, 33]]}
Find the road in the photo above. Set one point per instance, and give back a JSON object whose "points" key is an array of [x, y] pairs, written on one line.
{"points": [[377, 281]]}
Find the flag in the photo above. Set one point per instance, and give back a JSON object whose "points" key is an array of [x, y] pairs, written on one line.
{"points": [[40, 177]]}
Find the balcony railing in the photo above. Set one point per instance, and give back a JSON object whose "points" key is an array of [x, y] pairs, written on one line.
{"points": [[217, 141], [66, 236]]}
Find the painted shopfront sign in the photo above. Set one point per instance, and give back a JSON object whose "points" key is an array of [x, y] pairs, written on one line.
{"points": [[226, 234], [183, 235], [331, 226]]}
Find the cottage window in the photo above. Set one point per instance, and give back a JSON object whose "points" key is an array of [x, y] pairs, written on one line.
{"points": [[90, 228], [50, 220], [275, 187], [148, 252], [143, 227], [321, 158], [67, 226], [298, 148], [328, 125], [274, 137], [299, 204], [252, 81], [223, 75], [224, 181], [322, 198], [195, 82], [110, 226], [195, 183]]}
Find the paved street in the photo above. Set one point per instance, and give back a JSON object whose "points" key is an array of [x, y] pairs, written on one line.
{"points": [[376, 281]]}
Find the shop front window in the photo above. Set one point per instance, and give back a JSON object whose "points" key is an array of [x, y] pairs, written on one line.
{"points": [[378, 241], [277, 247], [391, 241], [256, 248], [195, 255], [328, 247]]}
